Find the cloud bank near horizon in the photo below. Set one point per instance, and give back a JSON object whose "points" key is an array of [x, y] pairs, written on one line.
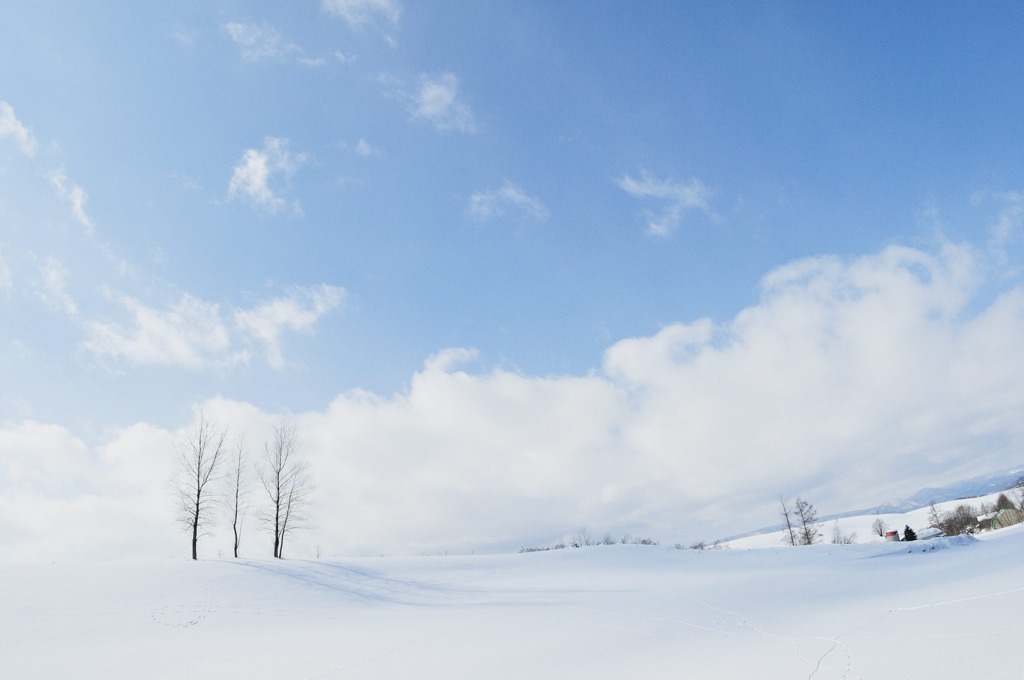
{"points": [[848, 382]]}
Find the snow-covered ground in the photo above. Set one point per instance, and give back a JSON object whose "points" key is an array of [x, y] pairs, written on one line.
{"points": [[949, 608]]}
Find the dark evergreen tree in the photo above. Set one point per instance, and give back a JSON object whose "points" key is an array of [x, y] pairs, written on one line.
{"points": [[1003, 502], [909, 534]]}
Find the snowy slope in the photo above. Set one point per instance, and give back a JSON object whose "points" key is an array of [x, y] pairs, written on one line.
{"points": [[938, 609]]}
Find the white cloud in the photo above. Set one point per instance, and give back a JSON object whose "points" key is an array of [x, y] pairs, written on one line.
{"points": [[191, 333], [258, 42], [679, 197], [74, 195], [849, 382], [252, 176], [11, 127], [52, 286], [38, 455], [487, 205], [196, 334], [60, 498], [300, 311], [437, 101], [362, 12]]}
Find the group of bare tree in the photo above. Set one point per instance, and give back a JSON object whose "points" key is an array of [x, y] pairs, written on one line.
{"points": [[800, 521], [206, 491]]}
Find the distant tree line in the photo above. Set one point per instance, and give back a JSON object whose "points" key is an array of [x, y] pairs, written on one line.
{"points": [[963, 519], [213, 481], [582, 538]]}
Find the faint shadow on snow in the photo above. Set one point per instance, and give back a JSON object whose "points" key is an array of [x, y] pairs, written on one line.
{"points": [[358, 583]]}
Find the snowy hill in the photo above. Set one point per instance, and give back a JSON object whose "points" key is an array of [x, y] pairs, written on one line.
{"points": [[937, 609]]}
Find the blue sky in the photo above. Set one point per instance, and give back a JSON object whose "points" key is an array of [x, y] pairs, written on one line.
{"points": [[350, 212]]}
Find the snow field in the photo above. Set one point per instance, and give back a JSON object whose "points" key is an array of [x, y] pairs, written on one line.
{"points": [[940, 609]]}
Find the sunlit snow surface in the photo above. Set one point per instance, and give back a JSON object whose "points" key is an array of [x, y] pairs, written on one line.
{"points": [[942, 609]]}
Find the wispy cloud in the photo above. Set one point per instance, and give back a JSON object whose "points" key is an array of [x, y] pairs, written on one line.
{"points": [[1009, 222], [487, 205], [13, 128], [364, 148], [75, 196], [6, 277], [184, 35], [437, 101], [258, 42], [194, 334], [52, 286], [362, 12], [677, 198], [190, 333], [252, 176], [299, 311]]}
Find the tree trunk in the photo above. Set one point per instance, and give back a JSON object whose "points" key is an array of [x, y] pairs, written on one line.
{"points": [[196, 516], [276, 537]]}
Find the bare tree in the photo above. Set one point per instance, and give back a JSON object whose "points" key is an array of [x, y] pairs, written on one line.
{"points": [[962, 520], [286, 479], [841, 538], [198, 464], [789, 538], [879, 527], [808, 531], [934, 516], [581, 538], [1018, 492], [237, 499]]}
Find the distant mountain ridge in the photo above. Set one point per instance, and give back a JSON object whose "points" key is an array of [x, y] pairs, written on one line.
{"points": [[981, 485]]}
